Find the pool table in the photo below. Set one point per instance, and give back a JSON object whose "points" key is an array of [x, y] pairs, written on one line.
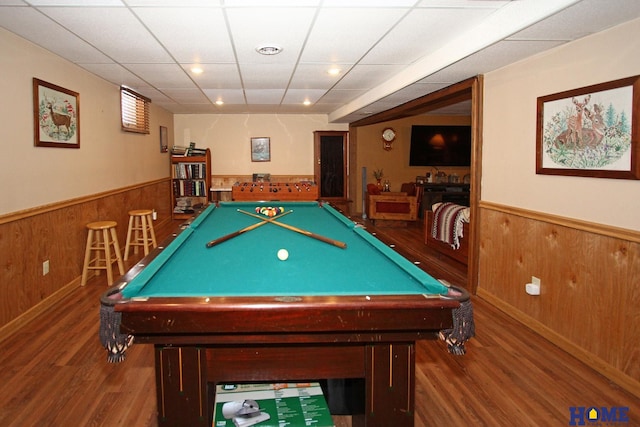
{"points": [[344, 305]]}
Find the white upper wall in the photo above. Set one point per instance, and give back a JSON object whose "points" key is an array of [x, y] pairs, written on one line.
{"points": [[509, 130], [229, 135], [107, 158]]}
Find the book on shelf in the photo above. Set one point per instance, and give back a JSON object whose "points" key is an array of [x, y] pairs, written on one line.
{"points": [[188, 151], [198, 152], [178, 150], [187, 187], [190, 170]]}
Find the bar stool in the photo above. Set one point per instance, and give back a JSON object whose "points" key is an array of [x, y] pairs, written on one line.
{"points": [[141, 227], [102, 240]]}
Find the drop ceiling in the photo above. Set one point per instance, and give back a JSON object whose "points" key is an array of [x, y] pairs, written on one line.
{"points": [[387, 52]]}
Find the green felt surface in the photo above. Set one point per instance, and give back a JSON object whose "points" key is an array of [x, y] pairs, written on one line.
{"points": [[247, 265]]}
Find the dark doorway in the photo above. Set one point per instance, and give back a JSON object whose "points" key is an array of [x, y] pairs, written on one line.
{"points": [[331, 164]]}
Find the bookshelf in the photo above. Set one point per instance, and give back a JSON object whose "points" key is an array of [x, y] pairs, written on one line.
{"points": [[190, 181]]}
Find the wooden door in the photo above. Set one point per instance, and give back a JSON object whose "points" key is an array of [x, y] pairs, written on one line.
{"points": [[330, 165]]}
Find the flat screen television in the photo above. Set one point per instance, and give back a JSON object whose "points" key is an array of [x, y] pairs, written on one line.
{"points": [[440, 145]]}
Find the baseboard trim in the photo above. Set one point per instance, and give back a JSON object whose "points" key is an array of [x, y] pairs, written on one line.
{"points": [[16, 324], [599, 365]]}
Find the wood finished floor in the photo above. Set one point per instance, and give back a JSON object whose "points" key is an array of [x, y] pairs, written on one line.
{"points": [[54, 372]]}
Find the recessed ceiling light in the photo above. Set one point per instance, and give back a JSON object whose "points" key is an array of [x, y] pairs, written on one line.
{"points": [[219, 102], [307, 102], [197, 70], [334, 71], [269, 50]]}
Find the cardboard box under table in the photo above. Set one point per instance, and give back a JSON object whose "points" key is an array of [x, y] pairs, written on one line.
{"points": [[287, 404]]}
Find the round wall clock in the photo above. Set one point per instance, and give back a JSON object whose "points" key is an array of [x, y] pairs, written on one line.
{"points": [[388, 136]]}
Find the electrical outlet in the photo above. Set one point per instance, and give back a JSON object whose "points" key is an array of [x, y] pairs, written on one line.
{"points": [[535, 280], [45, 268]]}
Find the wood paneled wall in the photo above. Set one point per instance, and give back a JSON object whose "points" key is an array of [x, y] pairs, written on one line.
{"points": [[57, 233], [590, 284]]}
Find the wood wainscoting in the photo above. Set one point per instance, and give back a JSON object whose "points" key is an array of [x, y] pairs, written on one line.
{"points": [[57, 233], [590, 284]]}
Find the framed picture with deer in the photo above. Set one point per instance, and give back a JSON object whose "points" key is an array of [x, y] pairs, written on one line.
{"points": [[56, 116], [591, 131]]}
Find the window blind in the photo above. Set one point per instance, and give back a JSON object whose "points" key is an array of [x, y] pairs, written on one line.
{"points": [[135, 111]]}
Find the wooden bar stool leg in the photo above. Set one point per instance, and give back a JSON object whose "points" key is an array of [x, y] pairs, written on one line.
{"points": [[116, 246], [107, 256], [127, 246], [98, 250], [87, 258], [136, 233], [145, 237], [153, 234]]}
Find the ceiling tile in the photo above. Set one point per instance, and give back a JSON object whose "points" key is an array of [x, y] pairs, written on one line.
{"points": [[368, 3], [464, 3], [162, 75], [174, 3], [115, 73], [223, 76], [340, 96], [228, 96], [345, 35], [581, 20], [114, 31], [37, 28], [264, 96], [117, 3], [187, 96], [298, 96], [196, 35], [389, 50], [421, 32], [367, 76], [316, 76], [271, 3], [283, 27], [256, 76], [492, 58]]}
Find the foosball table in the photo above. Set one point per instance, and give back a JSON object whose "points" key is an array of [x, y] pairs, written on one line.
{"points": [[265, 191]]}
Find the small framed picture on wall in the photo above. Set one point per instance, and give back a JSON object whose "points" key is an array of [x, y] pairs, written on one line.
{"points": [[164, 139], [260, 149]]}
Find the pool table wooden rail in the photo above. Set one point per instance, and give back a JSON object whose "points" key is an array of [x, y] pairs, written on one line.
{"points": [[264, 315]]}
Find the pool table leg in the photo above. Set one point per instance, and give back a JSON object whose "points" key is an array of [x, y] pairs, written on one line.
{"points": [[390, 386], [181, 383], [181, 386]]}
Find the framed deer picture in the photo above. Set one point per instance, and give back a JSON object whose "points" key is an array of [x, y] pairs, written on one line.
{"points": [[592, 131], [56, 116]]}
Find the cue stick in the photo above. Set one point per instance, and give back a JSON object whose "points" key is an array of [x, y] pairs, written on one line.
{"points": [[301, 231], [244, 230]]}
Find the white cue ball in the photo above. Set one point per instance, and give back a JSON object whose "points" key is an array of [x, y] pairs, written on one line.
{"points": [[283, 254]]}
